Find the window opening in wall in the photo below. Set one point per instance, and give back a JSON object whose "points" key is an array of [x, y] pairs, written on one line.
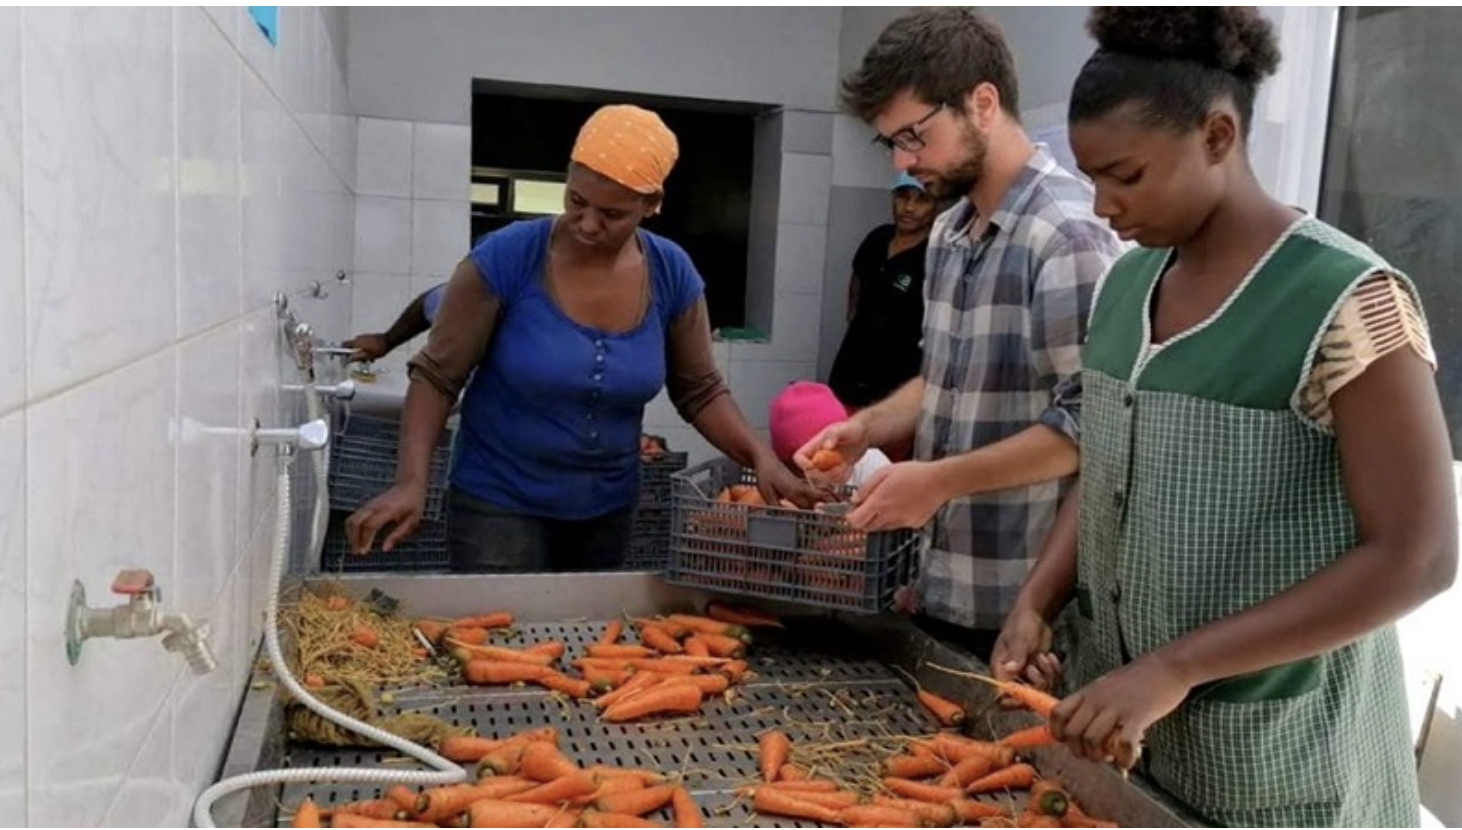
{"points": [[521, 138]]}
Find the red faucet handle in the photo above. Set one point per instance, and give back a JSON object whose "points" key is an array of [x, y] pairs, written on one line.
{"points": [[132, 582]]}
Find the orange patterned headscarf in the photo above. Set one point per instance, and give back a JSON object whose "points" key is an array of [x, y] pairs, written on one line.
{"points": [[628, 144]]}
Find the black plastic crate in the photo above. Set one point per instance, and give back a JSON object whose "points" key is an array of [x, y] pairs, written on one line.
{"points": [[423, 550], [363, 464], [798, 556], [649, 546], [656, 471]]}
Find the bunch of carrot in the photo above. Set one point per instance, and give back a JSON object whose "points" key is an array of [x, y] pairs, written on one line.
{"points": [[525, 781]]}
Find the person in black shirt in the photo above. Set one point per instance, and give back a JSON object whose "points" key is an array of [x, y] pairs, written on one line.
{"points": [[880, 350]]}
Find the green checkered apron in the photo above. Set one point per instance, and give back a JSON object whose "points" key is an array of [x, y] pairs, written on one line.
{"points": [[1206, 492]]}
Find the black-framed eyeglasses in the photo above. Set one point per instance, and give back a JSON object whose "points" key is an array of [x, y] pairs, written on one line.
{"points": [[907, 139]]}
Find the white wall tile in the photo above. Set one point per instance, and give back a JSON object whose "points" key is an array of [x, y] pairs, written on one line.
{"points": [[796, 332], [806, 183], [383, 235], [12, 229], [100, 233], [801, 259], [151, 795], [440, 236], [383, 158], [210, 235], [226, 18], [259, 182], [12, 608], [377, 300], [262, 56], [441, 162], [259, 378], [754, 383], [100, 498], [857, 161]]}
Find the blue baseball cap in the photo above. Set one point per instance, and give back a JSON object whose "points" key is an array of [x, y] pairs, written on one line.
{"points": [[905, 180]]}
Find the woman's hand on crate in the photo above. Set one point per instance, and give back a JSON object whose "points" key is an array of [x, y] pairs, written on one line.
{"points": [[402, 506], [907, 494], [830, 456]]}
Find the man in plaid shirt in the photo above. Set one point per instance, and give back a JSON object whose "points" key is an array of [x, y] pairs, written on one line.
{"points": [[1009, 282]]}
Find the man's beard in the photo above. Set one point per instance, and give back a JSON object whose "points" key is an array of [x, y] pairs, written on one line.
{"points": [[962, 178]]}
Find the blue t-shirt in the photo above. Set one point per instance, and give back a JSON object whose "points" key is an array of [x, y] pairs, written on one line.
{"points": [[432, 301], [552, 417]]}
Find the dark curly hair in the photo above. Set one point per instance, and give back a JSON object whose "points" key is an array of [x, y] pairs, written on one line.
{"points": [[1175, 62], [941, 54]]}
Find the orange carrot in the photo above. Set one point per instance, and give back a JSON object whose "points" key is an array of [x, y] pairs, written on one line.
{"points": [[1030, 697], [607, 785], [618, 652], [373, 808], [655, 637], [967, 772], [637, 682], [1076, 817], [734, 670], [502, 761], [543, 762], [566, 818], [792, 772], [922, 792], [603, 681], [675, 630], [636, 802], [744, 617], [934, 815], [418, 652], [466, 636], [662, 665], [314, 681], [696, 647], [1049, 798], [552, 648], [366, 636], [782, 803], [706, 625], [441, 803], [352, 820], [1015, 777], [814, 785], [668, 698], [709, 684], [306, 815], [573, 687], [913, 766], [500, 619], [833, 799], [494, 673], [1028, 738], [971, 811], [644, 776], [504, 655], [404, 796], [775, 749], [826, 460], [611, 633], [1031, 818], [723, 646], [956, 748], [594, 818], [431, 630], [687, 813], [494, 813], [337, 602], [465, 749], [563, 788], [879, 815], [944, 710]]}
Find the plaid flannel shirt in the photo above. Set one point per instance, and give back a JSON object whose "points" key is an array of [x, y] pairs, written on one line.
{"points": [[1005, 317]]}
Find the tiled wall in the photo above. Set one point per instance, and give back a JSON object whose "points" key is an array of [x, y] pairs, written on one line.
{"points": [[163, 172]]}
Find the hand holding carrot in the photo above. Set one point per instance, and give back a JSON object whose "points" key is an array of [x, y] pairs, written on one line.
{"points": [[846, 441], [1023, 651], [1105, 721]]}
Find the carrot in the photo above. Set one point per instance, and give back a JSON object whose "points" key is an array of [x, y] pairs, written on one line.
{"points": [[696, 647], [775, 749], [503, 761], [404, 797], [934, 815], [826, 460], [1028, 696], [500, 619], [607, 785], [1076, 817], [879, 815], [353, 820], [744, 617], [723, 646], [662, 665], [675, 630], [494, 673], [956, 748], [819, 785], [832, 799], [503, 655], [466, 636], [708, 663], [687, 813], [1016, 777], [706, 625], [594, 818], [734, 670], [431, 630], [552, 648], [601, 663], [494, 813], [563, 788], [655, 637], [306, 815], [1029, 738], [944, 710], [314, 681], [464, 748], [1049, 798], [913, 766], [967, 772], [566, 818], [637, 682], [1031, 818], [441, 803], [611, 633], [337, 602], [543, 762], [644, 776], [971, 811], [922, 792], [709, 684], [636, 802], [418, 652], [618, 652], [364, 635], [792, 772], [603, 681], [782, 803], [670, 698], [373, 808], [573, 687]]}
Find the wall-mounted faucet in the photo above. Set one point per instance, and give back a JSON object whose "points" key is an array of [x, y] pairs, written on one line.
{"points": [[141, 616], [342, 391], [310, 436]]}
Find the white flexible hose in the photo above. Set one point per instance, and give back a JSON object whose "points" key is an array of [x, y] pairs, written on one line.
{"points": [[444, 771], [321, 514]]}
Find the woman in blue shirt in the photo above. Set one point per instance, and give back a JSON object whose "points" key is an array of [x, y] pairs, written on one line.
{"points": [[572, 325]]}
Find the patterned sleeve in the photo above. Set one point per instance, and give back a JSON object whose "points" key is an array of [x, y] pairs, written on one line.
{"points": [[1059, 316], [1379, 317]]}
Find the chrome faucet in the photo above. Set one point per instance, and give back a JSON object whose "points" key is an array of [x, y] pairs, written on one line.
{"points": [[140, 616], [342, 391]]}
